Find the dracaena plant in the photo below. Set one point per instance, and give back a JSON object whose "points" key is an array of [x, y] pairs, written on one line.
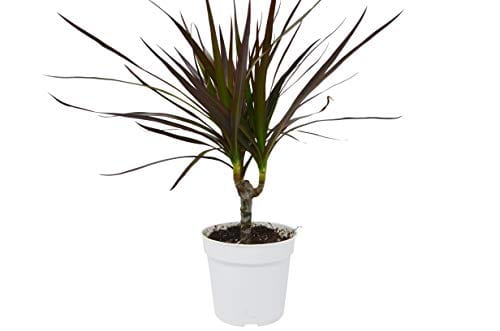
{"points": [[226, 94]]}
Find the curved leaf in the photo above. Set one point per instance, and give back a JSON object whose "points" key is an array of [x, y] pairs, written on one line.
{"points": [[163, 161], [189, 167], [342, 119], [173, 135]]}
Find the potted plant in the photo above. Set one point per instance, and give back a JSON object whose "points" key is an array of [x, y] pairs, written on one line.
{"points": [[225, 99]]}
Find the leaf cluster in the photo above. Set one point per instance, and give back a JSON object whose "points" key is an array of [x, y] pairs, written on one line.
{"points": [[228, 89]]}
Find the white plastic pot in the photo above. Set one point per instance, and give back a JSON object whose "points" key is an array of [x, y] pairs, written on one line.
{"points": [[248, 281]]}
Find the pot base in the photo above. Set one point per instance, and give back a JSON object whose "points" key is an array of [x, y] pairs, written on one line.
{"points": [[240, 324]]}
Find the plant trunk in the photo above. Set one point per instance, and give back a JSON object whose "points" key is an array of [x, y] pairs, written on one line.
{"points": [[246, 193]]}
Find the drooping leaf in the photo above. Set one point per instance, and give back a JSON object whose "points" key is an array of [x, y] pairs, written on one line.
{"points": [[163, 161], [139, 116], [342, 119], [173, 135], [317, 135], [190, 166], [328, 88], [299, 118], [158, 90], [322, 73]]}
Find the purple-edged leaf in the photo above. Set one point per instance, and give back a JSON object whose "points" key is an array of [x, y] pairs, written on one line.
{"points": [[173, 135], [317, 135], [285, 27], [292, 26], [165, 94], [299, 118], [310, 67], [261, 71], [241, 81], [166, 160], [319, 77], [184, 109], [328, 88], [231, 68], [97, 40], [212, 105], [321, 74], [236, 27], [141, 116], [206, 62], [342, 119], [220, 80], [276, 91], [190, 166], [192, 70], [247, 164], [109, 48], [370, 37], [285, 52], [224, 58]]}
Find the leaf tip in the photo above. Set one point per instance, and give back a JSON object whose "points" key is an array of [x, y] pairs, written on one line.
{"points": [[66, 19], [53, 96], [399, 14]]}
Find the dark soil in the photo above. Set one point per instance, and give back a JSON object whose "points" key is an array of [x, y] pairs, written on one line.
{"points": [[260, 235]]}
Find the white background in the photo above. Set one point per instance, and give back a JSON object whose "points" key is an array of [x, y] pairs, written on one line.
{"points": [[400, 219]]}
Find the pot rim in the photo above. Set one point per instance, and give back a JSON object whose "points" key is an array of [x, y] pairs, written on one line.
{"points": [[294, 232]]}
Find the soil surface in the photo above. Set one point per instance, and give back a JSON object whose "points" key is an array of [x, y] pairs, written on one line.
{"points": [[260, 235]]}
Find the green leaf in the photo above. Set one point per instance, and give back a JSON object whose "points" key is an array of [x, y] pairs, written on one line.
{"points": [[261, 71], [241, 83], [219, 70]]}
